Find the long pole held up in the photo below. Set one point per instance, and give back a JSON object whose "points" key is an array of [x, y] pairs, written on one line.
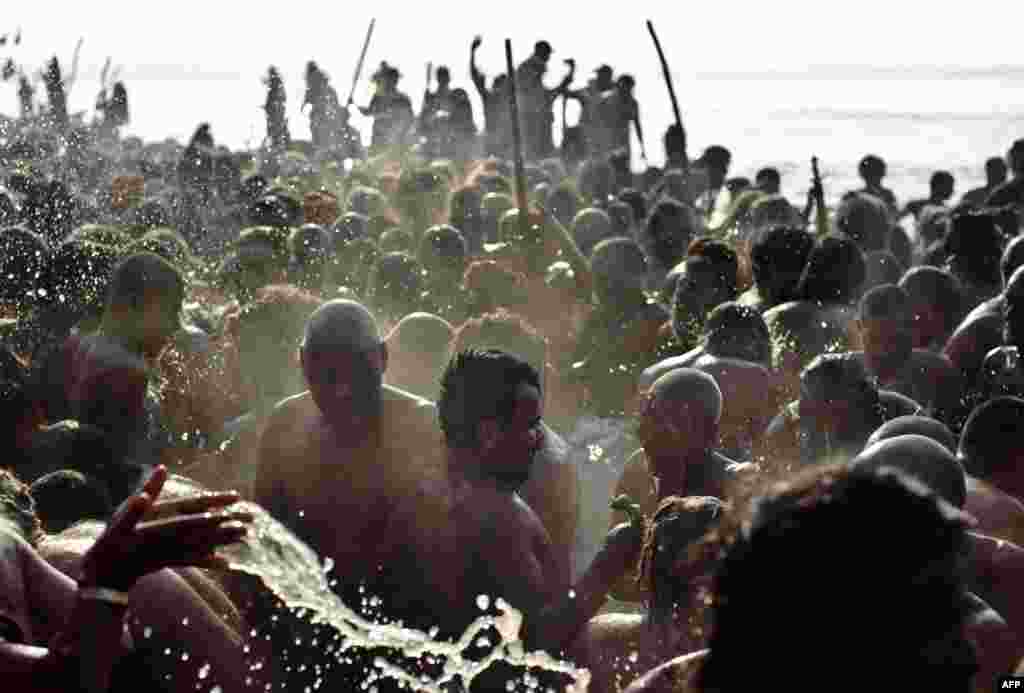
{"points": [[517, 142], [668, 76], [359, 65]]}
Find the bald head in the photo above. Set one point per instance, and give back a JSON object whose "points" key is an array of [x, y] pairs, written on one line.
{"points": [[918, 426], [341, 325], [922, 459], [422, 333], [689, 392], [990, 440]]}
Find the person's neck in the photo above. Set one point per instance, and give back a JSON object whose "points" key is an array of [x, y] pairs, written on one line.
{"points": [[465, 464]]}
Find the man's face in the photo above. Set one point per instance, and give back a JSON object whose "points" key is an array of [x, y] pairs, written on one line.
{"points": [[660, 428], [517, 440], [698, 287], [344, 384]]}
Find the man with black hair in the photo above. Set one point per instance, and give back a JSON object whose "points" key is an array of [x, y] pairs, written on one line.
{"points": [[935, 300], [995, 175], [1012, 191], [885, 322], [768, 180], [777, 260], [872, 170], [490, 412], [940, 186]]}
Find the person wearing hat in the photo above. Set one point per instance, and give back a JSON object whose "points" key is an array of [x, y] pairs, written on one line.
{"points": [[391, 109]]}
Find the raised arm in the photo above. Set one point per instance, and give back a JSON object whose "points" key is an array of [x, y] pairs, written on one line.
{"points": [[574, 256], [479, 81]]}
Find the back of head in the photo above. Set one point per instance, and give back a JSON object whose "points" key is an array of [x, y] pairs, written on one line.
{"points": [[443, 250], [736, 331], [975, 247], [834, 272], [721, 258], [349, 227], [838, 377], [310, 243], [694, 391], [871, 167], [882, 267], [772, 210], [341, 324], [864, 219], [678, 524], [590, 226], [478, 385], [937, 288], [618, 264], [423, 335], [778, 257], [886, 302], [989, 442], [670, 229], [144, 275], [504, 331], [922, 458], [767, 591], [396, 283], [1015, 157], [66, 497], [915, 425], [77, 277]]}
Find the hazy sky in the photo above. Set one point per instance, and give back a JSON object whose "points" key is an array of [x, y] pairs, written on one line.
{"points": [[177, 39]]}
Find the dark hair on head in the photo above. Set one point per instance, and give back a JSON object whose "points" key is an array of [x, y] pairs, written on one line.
{"points": [[66, 497], [423, 334], [677, 524], [834, 272], [443, 249], [937, 288], [768, 173], [277, 211], [766, 590], [939, 178], [864, 219], [722, 258], [780, 251], [23, 257], [144, 274], [670, 228], [871, 166], [733, 330], [396, 284], [920, 457], [563, 202], [716, 155], [975, 247], [622, 218], [77, 278], [479, 385], [840, 376], [17, 508], [991, 435]]}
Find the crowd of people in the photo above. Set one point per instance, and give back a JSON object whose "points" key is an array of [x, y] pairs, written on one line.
{"points": [[700, 437]]}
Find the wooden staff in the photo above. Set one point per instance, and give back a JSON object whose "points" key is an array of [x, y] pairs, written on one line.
{"points": [[517, 143], [359, 65], [820, 212], [668, 80]]}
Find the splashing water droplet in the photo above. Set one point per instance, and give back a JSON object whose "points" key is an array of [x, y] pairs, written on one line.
{"points": [[484, 602], [204, 671]]}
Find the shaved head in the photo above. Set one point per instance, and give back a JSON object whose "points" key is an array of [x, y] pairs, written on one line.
{"points": [[341, 325], [922, 459], [695, 390], [422, 333], [915, 425]]}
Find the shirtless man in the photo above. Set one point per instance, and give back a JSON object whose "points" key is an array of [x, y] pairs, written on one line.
{"points": [[886, 326], [991, 452], [679, 427], [736, 352], [35, 598], [349, 448], [490, 412]]}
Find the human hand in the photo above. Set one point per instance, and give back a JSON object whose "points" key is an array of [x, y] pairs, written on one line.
{"points": [[476, 42], [130, 548], [570, 62]]}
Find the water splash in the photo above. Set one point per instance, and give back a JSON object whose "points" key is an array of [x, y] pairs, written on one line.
{"points": [[293, 572]]}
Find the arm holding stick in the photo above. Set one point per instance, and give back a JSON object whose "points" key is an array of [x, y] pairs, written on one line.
{"points": [[359, 65]]}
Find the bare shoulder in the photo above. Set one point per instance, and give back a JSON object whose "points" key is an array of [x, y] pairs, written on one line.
{"points": [[674, 676]]}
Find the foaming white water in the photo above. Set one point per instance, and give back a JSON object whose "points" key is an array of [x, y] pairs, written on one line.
{"points": [[293, 572]]}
